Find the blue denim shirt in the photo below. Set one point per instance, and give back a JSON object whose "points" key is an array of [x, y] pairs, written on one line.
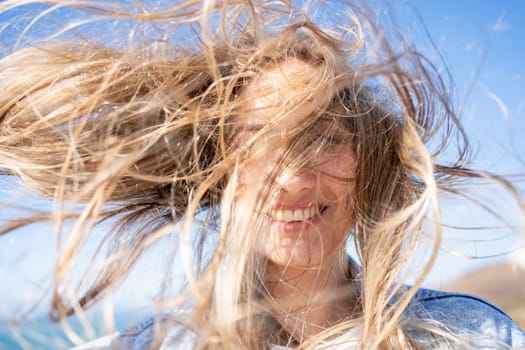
{"points": [[481, 324], [474, 320]]}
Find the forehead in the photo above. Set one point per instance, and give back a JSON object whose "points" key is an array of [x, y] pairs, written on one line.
{"points": [[283, 95]]}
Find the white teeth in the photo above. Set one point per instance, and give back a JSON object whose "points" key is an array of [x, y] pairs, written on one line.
{"points": [[295, 215]]}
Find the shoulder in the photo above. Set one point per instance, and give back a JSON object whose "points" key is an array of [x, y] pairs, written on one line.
{"points": [[166, 329], [158, 332], [103, 343], [137, 337], [466, 315]]}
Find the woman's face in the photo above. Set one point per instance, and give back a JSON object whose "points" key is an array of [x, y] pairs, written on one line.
{"points": [[308, 219]]}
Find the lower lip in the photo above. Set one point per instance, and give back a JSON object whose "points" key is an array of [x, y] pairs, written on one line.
{"points": [[296, 226]]}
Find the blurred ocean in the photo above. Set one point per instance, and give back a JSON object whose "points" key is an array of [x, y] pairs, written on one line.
{"points": [[37, 334], [42, 334]]}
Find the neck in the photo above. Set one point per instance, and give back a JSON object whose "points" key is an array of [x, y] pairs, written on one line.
{"points": [[310, 300]]}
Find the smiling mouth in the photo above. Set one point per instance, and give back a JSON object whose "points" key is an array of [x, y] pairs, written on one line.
{"points": [[297, 214]]}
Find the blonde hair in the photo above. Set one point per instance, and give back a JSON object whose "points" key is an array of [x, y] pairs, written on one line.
{"points": [[144, 135]]}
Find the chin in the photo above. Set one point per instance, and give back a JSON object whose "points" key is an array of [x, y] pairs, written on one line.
{"points": [[294, 257]]}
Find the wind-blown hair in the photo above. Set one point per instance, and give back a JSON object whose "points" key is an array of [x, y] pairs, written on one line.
{"points": [[145, 135]]}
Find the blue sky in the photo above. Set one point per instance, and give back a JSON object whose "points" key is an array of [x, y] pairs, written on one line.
{"points": [[482, 43]]}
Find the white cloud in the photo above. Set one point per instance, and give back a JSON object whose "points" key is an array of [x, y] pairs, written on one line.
{"points": [[501, 25], [499, 102], [470, 46]]}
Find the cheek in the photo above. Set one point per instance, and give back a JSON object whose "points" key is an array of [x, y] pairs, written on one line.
{"points": [[250, 180], [248, 177], [338, 174], [340, 165]]}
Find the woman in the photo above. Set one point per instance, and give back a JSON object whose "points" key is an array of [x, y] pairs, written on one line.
{"points": [[292, 139]]}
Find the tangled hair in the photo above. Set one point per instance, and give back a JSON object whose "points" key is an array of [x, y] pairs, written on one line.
{"points": [[143, 133]]}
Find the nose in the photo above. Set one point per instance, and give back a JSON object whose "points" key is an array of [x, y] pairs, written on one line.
{"points": [[296, 181]]}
